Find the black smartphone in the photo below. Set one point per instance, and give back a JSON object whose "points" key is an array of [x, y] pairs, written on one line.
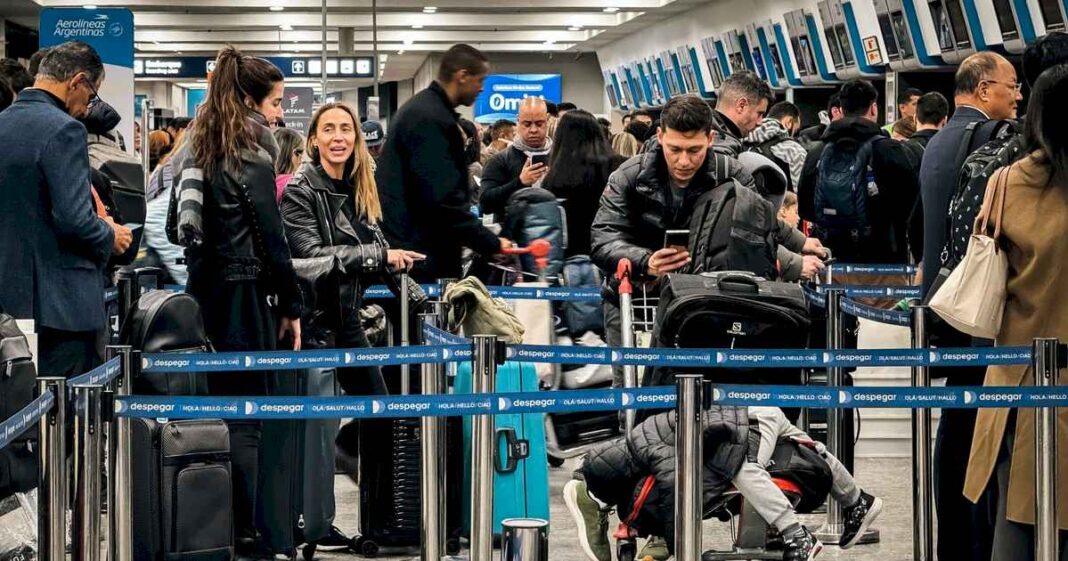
{"points": [[677, 238], [539, 159]]}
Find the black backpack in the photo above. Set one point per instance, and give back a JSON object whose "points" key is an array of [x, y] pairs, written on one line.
{"points": [[167, 322], [844, 183], [733, 229], [1005, 146], [18, 381], [764, 149]]}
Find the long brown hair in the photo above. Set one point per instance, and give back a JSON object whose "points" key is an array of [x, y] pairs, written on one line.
{"points": [[361, 163], [220, 131]]}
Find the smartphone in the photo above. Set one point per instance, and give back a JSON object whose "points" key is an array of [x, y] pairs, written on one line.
{"points": [[539, 159], [679, 239]]}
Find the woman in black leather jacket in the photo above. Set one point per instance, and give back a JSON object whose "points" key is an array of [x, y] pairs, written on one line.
{"points": [[331, 208], [239, 264]]}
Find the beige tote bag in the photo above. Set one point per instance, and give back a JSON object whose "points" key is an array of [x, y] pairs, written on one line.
{"points": [[972, 299]]}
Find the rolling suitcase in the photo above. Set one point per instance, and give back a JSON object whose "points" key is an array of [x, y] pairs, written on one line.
{"points": [[521, 469], [313, 506], [730, 310], [181, 487]]}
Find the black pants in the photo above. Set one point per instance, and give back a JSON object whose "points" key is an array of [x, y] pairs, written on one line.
{"points": [[965, 530], [362, 380], [66, 353]]}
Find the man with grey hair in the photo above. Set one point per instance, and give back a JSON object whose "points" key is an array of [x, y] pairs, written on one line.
{"points": [[52, 269], [741, 103], [524, 163], [986, 91]]}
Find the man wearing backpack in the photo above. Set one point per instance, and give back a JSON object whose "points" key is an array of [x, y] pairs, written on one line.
{"points": [[774, 139], [659, 191], [858, 186]]}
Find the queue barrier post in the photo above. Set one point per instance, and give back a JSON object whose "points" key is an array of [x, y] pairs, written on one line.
{"points": [[1046, 363], [433, 470], [923, 489], [626, 315], [88, 428], [52, 484], [688, 454], [484, 374], [524, 539], [119, 435], [405, 334], [831, 531]]}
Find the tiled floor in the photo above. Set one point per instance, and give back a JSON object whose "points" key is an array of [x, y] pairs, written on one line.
{"points": [[887, 478]]}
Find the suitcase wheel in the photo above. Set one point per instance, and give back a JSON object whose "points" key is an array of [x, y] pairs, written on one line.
{"points": [[626, 550], [452, 546], [555, 462], [309, 552], [367, 548]]}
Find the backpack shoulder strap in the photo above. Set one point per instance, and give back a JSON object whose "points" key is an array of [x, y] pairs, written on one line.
{"points": [[965, 147]]}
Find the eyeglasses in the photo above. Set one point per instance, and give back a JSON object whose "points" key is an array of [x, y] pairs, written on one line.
{"points": [[95, 97], [1014, 85]]}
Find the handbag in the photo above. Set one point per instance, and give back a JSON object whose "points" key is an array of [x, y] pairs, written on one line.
{"points": [[972, 299]]}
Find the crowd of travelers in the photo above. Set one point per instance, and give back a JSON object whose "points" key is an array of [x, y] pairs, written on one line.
{"points": [[240, 208]]}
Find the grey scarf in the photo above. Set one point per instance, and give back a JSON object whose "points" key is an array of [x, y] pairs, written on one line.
{"points": [[518, 144], [185, 223]]}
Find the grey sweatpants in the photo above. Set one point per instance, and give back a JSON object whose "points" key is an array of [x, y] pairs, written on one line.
{"points": [[755, 484]]}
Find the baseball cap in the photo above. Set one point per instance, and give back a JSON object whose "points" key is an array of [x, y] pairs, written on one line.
{"points": [[373, 133]]}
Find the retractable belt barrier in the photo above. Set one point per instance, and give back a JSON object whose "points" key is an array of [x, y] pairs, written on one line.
{"points": [[817, 298], [100, 375], [17, 424], [548, 354], [573, 401], [874, 269]]}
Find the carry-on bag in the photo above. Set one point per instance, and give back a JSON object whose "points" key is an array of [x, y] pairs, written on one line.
{"points": [[520, 466], [730, 310]]}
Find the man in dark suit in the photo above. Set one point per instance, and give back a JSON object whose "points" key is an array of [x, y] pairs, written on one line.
{"points": [[55, 246], [986, 90], [422, 173]]}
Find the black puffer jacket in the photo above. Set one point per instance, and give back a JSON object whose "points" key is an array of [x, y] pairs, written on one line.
{"points": [[614, 471], [635, 209], [317, 227]]}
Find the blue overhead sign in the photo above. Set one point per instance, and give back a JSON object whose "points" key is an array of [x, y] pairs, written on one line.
{"points": [[502, 93], [109, 30]]}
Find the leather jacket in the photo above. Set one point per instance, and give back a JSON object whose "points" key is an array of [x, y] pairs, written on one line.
{"points": [[316, 227], [243, 237]]}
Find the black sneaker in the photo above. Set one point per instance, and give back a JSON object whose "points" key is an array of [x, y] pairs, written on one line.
{"points": [[801, 546], [335, 540], [858, 518]]}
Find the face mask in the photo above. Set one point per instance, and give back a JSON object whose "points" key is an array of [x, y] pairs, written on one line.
{"points": [[101, 118]]}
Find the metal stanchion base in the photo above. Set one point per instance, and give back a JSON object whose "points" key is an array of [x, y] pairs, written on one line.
{"points": [[831, 535], [742, 554]]}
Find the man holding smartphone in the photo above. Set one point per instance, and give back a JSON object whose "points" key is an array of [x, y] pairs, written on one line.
{"points": [[650, 199], [523, 164]]}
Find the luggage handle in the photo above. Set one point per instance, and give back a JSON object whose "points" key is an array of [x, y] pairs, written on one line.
{"points": [[517, 450], [738, 282]]}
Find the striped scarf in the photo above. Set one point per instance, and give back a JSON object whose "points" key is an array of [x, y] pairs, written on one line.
{"points": [[185, 222]]}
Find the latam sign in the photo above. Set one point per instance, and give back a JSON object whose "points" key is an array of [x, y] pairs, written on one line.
{"points": [[502, 94]]}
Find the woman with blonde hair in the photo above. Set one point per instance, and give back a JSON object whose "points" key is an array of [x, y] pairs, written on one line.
{"points": [[625, 144], [331, 208]]}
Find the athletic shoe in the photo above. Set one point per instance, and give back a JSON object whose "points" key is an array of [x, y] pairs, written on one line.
{"points": [[858, 518], [656, 549], [801, 546], [592, 521]]}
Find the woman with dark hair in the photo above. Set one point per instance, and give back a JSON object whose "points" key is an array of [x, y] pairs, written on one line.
{"points": [[581, 161], [473, 152], [1029, 204], [287, 161], [238, 260]]}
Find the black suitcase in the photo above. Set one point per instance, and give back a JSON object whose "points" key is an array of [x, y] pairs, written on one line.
{"points": [[18, 387], [313, 508], [390, 485], [731, 310], [181, 488]]}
